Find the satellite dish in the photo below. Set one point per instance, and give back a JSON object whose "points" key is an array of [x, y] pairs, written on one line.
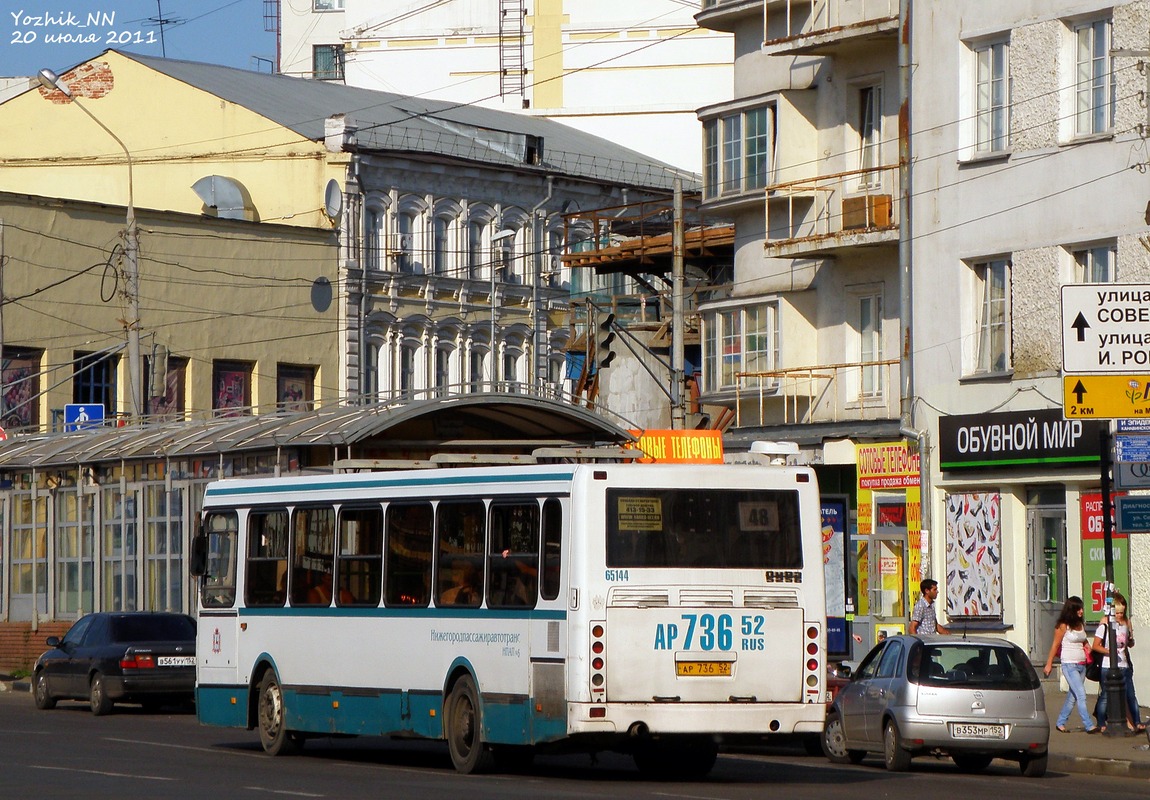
{"points": [[332, 199]]}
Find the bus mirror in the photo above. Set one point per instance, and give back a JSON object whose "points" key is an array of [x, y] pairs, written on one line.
{"points": [[198, 560]]}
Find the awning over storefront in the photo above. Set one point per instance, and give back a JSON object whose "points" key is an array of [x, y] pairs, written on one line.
{"points": [[502, 422]]}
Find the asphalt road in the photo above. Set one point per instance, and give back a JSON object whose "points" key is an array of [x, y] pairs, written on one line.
{"points": [[68, 753]]}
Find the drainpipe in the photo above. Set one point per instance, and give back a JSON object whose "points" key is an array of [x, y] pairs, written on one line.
{"points": [[906, 354], [539, 331]]}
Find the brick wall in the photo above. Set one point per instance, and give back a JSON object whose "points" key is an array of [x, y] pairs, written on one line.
{"points": [[20, 646]]}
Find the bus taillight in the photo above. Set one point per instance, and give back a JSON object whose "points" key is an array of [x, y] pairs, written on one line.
{"points": [[598, 663], [814, 666]]}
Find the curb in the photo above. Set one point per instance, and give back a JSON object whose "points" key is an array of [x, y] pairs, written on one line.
{"points": [[1099, 766], [15, 686]]}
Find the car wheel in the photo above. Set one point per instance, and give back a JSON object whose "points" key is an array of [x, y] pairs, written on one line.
{"points": [[274, 735], [464, 729], [1033, 766], [834, 747], [98, 697], [44, 699], [971, 763], [896, 756]]}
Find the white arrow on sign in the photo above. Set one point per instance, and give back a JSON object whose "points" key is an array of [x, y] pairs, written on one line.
{"points": [[1105, 327]]}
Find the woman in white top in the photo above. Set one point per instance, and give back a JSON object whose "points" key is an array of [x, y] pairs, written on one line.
{"points": [[1124, 635], [1070, 645]]}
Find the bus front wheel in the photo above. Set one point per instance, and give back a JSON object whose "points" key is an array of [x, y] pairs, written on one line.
{"points": [[274, 735], [464, 729]]}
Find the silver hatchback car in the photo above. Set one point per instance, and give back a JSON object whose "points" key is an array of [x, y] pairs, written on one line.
{"points": [[973, 699]]}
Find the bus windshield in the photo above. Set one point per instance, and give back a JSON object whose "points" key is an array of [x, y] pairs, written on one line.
{"points": [[714, 528]]}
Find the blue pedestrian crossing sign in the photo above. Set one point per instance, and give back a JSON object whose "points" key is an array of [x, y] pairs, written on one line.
{"points": [[78, 416]]}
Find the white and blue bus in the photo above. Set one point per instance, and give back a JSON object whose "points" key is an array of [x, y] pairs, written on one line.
{"points": [[652, 609]]}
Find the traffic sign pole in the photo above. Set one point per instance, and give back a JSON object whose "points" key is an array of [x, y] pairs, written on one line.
{"points": [[1113, 682]]}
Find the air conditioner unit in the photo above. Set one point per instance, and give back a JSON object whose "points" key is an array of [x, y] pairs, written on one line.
{"points": [[556, 263], [867, 211], [405, 241]]}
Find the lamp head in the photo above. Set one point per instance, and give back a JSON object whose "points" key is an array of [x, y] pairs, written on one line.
{"points": [[50, 80]]}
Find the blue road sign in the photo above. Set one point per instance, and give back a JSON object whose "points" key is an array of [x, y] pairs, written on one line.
{"points": [[1133, 514], [1133, 425], [1132, 447], [78, 416]]}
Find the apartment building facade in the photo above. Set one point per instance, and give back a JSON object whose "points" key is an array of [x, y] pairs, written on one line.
{"points": [[1028, 145], [915, 278]]}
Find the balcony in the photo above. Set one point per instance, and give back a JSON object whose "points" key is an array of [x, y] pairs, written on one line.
{"points": [[818, 394], [727, 15], [819, 215], [820, 27]]}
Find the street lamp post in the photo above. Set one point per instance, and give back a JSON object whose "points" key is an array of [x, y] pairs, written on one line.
{"points": [[50, 80]]}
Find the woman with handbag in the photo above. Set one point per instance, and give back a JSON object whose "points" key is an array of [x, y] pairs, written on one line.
{"points": [[1070, 645], [1124, 635]]}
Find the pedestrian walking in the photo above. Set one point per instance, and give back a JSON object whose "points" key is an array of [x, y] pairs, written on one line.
{"points": [[1072, 649], [924, 619], [1124, 635]]}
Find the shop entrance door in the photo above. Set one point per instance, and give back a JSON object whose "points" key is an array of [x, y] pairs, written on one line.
{"points": [[1046, 530]]}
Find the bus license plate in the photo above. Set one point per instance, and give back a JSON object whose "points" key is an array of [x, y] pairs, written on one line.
{"points": [[176, 661], [968, 731], [703, 668]]}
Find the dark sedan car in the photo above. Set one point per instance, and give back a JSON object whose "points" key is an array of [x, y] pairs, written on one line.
{"points": [[145, 657]]}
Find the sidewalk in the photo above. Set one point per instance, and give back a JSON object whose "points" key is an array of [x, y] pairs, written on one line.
{"points": [[1126, 756], [1123, 756]]}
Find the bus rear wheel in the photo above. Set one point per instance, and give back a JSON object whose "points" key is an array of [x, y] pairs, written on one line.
{"points": [[276, 739], [464, 729]]}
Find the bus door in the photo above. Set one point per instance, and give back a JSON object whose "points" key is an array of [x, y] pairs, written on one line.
{"points": [[218, 624]]}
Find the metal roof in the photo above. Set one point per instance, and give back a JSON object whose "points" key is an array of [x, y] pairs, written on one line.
{"points": [[393, 122], [493, 420]]}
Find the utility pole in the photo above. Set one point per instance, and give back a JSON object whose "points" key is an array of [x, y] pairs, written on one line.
{"points": [[678, 357]]}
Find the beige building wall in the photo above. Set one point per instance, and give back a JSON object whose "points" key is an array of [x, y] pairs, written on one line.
{"points": [[53, 149], [209, 290]]}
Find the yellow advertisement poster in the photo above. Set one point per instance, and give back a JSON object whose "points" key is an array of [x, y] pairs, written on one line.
{"points": [[681, 447], [640, 514], [891, 469]]}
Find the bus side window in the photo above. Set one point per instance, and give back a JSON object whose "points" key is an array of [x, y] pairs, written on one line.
{"points": [[312, 556], [407, 571], [459, 532], [218, 584], [552, 548], [266, 582], [359, 568], [513, 555]]}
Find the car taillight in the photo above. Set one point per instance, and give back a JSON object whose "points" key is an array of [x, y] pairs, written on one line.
{"points": [[138, 661]]}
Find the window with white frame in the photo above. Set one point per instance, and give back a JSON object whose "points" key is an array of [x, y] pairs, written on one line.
{"points": [[442, 371], [737, 151], [475, 257], [869, 135], [1093, 78], [327, 5], [991, 316], [870, 345], [740, 339], [405, 242], [440, 235], [373, 228], [992, 97], [1097, 264]]}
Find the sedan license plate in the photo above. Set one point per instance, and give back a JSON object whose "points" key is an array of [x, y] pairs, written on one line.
{"points": [[703, 668], [176, 661], [965, 730]]}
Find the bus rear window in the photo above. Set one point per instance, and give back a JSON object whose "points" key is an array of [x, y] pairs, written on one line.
{"points": [[716, 528]]}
